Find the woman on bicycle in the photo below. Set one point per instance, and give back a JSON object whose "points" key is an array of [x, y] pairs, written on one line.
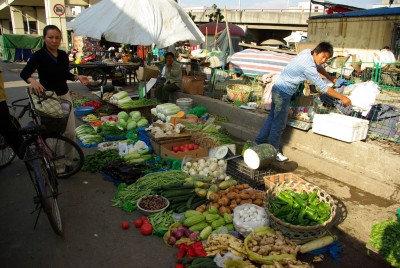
{"points": [[8, 130], [52, 66]]}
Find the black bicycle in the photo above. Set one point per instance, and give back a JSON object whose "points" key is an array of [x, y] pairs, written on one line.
{"points": [[67, 156], [43, 150]]}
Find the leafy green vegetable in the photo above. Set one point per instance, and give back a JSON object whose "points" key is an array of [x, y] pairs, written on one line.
{"points": [[385, 237], [96, 161], [111, 129]]}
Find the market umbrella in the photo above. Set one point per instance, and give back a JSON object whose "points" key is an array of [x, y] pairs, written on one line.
{"points": [[137, 22], [234, 30]]}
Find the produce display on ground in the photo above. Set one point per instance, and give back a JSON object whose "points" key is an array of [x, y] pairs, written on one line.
{"points": [[211, 218]]}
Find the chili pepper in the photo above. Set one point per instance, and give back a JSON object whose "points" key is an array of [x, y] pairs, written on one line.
{"points": [[300, 216], [283, 196], [297, 198], [181, 253], [279, 202], [315, 202], [312, 196], [283, 211], [324, 207], [198, 249], [291, 215], [324, 217], [311, 214], [304, 195]]}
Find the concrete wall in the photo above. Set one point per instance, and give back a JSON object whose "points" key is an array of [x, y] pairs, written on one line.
{"points": [[360, 36], [360, 164], [256, 17]]}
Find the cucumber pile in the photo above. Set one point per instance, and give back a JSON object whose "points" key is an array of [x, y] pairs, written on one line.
{"points": [[181, 197]]}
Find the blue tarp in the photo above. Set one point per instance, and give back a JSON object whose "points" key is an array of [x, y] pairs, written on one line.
{"points": [[384, 11]]}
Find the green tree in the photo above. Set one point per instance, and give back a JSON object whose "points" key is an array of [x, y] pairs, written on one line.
{"points": [[212, 17], [191, 15]]}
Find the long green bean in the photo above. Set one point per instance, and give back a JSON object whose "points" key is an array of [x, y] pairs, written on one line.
{"points": [[127, 197]]}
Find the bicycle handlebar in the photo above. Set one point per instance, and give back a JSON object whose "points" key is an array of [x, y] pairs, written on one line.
{"points": [[25, 107]]}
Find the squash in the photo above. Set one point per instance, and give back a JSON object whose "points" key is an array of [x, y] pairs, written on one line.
{"points": [[260, 156]]}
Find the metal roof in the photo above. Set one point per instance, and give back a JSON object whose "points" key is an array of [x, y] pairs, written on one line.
{"points": [[384, 11]]}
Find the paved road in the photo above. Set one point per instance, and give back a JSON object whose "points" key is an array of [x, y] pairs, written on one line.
{"points": [[93, 236]]}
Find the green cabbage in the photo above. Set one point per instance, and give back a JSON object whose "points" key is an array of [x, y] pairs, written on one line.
{"points": [[123, 115], [122, 123], [131, 125], [142, 122]]}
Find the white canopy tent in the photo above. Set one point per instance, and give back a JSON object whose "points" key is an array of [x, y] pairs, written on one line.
{"points": [[137, 22]]}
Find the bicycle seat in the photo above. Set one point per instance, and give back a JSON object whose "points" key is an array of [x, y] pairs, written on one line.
{"points": [[31, 129]]}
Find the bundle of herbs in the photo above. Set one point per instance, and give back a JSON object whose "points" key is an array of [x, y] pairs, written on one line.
{"points": [[211, 139], [385, 237]]}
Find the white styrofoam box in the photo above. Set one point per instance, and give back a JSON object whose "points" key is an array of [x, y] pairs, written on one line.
{"points": [[341, 127]]}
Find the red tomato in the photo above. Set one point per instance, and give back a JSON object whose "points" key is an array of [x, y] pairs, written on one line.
{"points": [[146, 229], [186, 150], [175, 149], [191, 146], [144, 218], [125, 225], [186, 145], [195, 147], [138, 223], [182, 147]]}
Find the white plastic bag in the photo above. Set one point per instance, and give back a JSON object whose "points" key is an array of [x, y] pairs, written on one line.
{"points": [[243, 226], [219, 260]]}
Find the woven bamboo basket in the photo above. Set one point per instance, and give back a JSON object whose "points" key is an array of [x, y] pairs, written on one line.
{"points": [[238, 92], [297, 233], [272, 180]]}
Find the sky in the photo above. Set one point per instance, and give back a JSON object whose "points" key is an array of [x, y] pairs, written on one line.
{"points": [[269, 3]]}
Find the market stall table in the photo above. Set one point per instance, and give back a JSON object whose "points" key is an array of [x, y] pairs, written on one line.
{"points": [[98, 73]]}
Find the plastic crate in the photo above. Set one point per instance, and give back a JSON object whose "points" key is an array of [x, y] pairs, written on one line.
{"points": [[238, 169], [341, 127]]}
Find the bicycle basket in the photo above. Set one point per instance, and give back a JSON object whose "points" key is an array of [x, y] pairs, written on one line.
{"points": [[57, 125]]}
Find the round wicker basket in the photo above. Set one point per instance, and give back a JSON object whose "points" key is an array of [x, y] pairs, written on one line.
{"points": [[297, 233], [238, 92]]}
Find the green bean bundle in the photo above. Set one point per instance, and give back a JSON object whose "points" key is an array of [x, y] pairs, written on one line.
{"points": [[126, 197]]}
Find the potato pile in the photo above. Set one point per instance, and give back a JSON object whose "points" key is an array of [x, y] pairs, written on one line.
{"points": [[227, 200], [271, 244]]}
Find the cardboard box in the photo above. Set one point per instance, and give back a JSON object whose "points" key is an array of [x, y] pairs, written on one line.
{"points": [[341, 127], [166, 150], [156, 144]]}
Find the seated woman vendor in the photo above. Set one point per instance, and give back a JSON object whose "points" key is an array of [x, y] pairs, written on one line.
{"points": [[172, 73]]}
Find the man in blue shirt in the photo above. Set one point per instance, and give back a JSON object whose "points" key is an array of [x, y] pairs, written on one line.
{"points": [[305, 66]]}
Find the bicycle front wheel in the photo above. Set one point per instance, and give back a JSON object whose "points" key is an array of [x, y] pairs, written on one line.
{"points": [[66, 155], [47, 190], [7, 154]]}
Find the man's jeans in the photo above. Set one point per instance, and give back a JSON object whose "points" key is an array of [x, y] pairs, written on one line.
{"points": [[273, 127]]}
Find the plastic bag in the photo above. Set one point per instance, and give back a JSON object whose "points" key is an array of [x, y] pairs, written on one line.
{"points": [[220, 260], [244, 228]]}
